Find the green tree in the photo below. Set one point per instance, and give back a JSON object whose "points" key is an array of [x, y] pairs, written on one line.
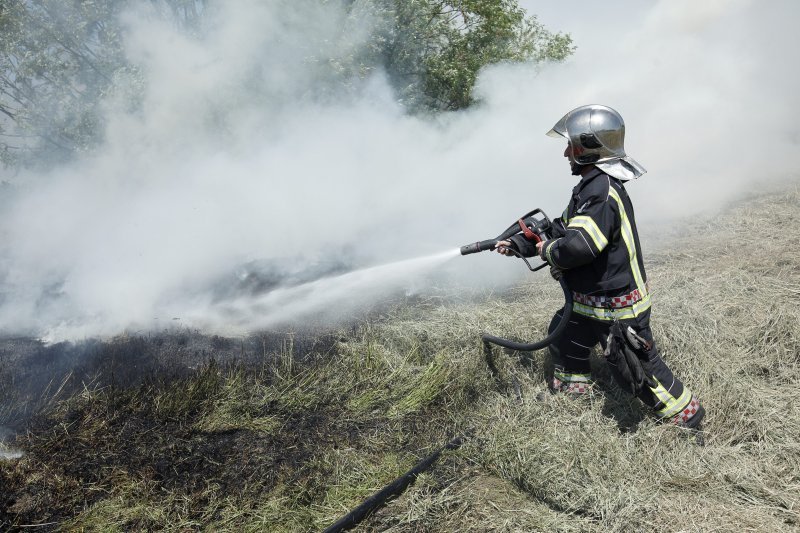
{"points": [[60, 59], [55, 63], [435, 48]]}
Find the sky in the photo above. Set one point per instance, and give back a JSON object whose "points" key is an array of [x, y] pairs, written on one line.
{"points": [[163, 227]]}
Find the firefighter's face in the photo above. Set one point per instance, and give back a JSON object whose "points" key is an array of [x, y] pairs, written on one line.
{"points": [[573, 166]]}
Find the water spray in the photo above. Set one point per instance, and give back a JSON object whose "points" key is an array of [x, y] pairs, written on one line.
{"points": [[534, 226], [284, 304]]}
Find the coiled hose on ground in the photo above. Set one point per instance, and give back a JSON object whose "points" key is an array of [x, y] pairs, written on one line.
{"points": [[547, 341]]}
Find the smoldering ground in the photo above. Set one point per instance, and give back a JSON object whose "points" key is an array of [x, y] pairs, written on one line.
{"points": [[242, 154], [183, 207]]}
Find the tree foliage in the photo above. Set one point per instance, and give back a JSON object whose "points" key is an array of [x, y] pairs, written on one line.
{"points": [[437, 47], [60, 60], [54, 66]]}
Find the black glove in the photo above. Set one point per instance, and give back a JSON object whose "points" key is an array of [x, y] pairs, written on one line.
{"points": [[524, 246], [628, 352]]}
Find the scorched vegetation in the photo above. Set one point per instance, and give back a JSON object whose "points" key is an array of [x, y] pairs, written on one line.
{"points": [[287, 432]]}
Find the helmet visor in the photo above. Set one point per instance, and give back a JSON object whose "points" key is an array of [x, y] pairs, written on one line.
{"points": [[560, 129]]}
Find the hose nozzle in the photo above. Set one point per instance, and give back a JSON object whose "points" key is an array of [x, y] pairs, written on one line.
{"points": [[481, 246]]}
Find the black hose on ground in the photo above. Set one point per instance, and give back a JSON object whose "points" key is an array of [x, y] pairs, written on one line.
{"points": [[354, 517], [555, 334]]}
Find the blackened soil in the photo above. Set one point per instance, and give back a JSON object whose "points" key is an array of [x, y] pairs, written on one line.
{"points": [[86, 414], [78, 457], [33, 375], [102, 419]]}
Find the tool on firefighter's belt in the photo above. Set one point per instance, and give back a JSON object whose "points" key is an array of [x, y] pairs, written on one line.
{"points": [[536, 227], [623, 347]]}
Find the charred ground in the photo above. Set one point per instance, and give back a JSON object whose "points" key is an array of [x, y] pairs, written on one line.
{"points": [[219, 425], [287, 431]]}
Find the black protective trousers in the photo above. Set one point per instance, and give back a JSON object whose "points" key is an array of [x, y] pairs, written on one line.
{"points": [[571, 352]]}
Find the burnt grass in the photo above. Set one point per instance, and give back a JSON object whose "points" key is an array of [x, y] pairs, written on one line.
{"points": [[122, 431], [133, 412], [287, 431]]}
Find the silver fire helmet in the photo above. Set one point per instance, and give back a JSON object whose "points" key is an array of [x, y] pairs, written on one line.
{"points": [[596, 135]]}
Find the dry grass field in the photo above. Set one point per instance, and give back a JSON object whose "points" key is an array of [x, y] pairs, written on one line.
{"points": [[285, 432]]}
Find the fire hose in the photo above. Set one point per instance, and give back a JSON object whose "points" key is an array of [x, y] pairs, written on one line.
{"points": [[352, 519], [536, 227], [545, 342]]}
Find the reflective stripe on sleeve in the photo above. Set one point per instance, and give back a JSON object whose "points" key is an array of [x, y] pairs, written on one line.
{"points": [[547, 249], [590, 226]]}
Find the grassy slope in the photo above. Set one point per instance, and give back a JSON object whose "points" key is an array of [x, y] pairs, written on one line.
{"points": [[292, 445]]}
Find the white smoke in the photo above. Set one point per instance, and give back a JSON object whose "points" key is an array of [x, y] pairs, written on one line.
{"points": [[205, 178], [707, 89]]}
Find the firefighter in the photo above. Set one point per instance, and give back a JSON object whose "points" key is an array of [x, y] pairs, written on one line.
{"points": [[595, 246]]}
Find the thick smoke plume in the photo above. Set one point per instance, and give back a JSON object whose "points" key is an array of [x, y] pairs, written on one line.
{"points": [[209, 185]]}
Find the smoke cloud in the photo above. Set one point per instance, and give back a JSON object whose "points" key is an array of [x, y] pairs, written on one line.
{"points": [[206, 198]]}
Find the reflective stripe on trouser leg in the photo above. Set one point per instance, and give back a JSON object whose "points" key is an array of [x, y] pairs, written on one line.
{"points": [[669, 405], [669, 398], [570, 354]]}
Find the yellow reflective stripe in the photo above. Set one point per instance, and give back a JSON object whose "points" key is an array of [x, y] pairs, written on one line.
{"points": [[588, 224], [661, 393], [565, 216], [630, 242], [571, 378], [672, 405], [548, 248], [609, 314]]}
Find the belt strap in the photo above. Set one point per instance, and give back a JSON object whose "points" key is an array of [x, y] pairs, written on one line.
{"points": [[613, 302]]}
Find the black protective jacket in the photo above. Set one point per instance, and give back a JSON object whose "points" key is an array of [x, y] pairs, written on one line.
{"points": [[596, 245]]}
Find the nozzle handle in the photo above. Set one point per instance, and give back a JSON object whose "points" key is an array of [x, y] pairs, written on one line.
{"points": [[480, 246]]}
